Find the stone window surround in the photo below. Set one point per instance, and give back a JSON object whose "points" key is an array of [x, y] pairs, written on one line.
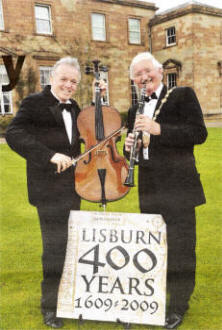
{"points": [[171, 66]]}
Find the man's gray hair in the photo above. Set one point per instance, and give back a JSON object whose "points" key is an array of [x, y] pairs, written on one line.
{"points": [[72, 61], [144, 56]]}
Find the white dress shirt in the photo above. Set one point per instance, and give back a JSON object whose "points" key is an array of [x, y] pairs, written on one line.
{"points": [[68, 122], [66, 118], [149, 109]]}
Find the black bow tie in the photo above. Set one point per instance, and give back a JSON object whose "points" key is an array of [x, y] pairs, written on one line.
{"points": [[152, 96], [67, 106]]}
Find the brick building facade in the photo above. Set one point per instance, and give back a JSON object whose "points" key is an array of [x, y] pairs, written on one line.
{"points": [[187, 40], [46, 30]]}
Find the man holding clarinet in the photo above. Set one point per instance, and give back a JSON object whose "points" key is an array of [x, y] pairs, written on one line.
{"points": [[169, 184]]}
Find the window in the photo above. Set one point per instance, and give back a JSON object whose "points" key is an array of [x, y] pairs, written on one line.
{"points": [[105, 98], [1, 16], [134, 93], [43, 19], [98, 27], [171, 80], [45, 75], [134, 31], [6, 98], [171, 36]]}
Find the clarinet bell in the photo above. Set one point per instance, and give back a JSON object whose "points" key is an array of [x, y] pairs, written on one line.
{"points": [[129, 182]]}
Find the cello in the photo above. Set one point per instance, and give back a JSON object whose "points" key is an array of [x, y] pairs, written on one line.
{"points": [[101, 173]]}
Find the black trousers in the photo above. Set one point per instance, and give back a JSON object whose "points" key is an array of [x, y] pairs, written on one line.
{"points": [[181, 240], [54, 229], [181, 259]]}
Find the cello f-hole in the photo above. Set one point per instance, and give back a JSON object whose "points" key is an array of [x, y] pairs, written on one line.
{"points": [[112, 154], [89, 159]]}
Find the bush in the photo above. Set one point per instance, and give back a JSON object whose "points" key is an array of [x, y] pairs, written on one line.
{"points": [[5, 121], [124, 117]]}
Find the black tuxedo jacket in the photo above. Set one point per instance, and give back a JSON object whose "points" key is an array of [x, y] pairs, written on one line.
{"points": [[38, 132], [169, 178]]}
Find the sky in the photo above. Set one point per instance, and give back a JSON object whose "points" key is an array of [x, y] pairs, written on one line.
{"points": [[167, 4]]}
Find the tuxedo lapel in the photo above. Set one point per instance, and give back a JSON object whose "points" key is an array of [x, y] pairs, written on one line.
{"points": [[74, 114], [57, 114], [162, 94], [53, 103], [73, 125]]}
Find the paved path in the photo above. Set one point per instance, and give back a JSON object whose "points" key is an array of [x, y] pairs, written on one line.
{"points": [[214, 124]]}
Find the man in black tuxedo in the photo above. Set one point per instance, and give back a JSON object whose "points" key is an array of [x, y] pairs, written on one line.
{"points": [[169, 183], [45, 133]]}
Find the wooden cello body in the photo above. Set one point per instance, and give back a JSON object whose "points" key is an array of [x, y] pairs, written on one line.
{"points": [[100, 175]]}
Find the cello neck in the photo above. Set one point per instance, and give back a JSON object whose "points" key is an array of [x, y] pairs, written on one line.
{"points": [[99, 125]]}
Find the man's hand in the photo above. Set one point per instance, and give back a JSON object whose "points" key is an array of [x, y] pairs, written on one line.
{"points": [[102, 86], [62, 161], [144, 123], [129, 141]]}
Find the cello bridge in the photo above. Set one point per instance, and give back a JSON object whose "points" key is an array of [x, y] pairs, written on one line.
{"points": [[101, 152]]}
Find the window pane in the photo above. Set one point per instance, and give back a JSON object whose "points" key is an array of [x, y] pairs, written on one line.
{"points": [[98, 27], [98, 34], [134, 31], [45, 75], [171, 35], [134, 25], [3, 75], [1, 16], [171, 80], [105, 98], [43, 26], [135, 37], [97, 20], [42, 12], [43, 22], [6, 103], [6, 99]]}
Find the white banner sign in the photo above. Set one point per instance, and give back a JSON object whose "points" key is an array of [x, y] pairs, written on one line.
{"points": [[115, 268]]}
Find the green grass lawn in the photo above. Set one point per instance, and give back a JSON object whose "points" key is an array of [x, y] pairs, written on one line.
{"points": [[21, 246]]}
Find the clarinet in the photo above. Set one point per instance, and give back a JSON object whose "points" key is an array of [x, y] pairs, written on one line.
{"points": [[134, 150]]}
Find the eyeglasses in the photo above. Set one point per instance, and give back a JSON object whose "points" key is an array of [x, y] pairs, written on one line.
{"points": [[72, 82], [139, 74]]}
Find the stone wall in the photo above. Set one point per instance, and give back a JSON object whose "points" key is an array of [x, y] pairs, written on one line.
{"points": [[197, 51], [198, 48], [71, 24]]}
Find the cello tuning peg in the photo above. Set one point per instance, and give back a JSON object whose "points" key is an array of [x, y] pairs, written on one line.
{"points": [[96, 65], [103, 68], [96, 62], [88, 69]]}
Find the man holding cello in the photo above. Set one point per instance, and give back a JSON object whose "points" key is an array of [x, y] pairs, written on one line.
{"points": [[168, 180], [45, 133]]}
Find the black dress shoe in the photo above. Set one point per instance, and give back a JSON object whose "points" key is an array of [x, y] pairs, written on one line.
{"points": [[52, 321], [173, 320]]}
